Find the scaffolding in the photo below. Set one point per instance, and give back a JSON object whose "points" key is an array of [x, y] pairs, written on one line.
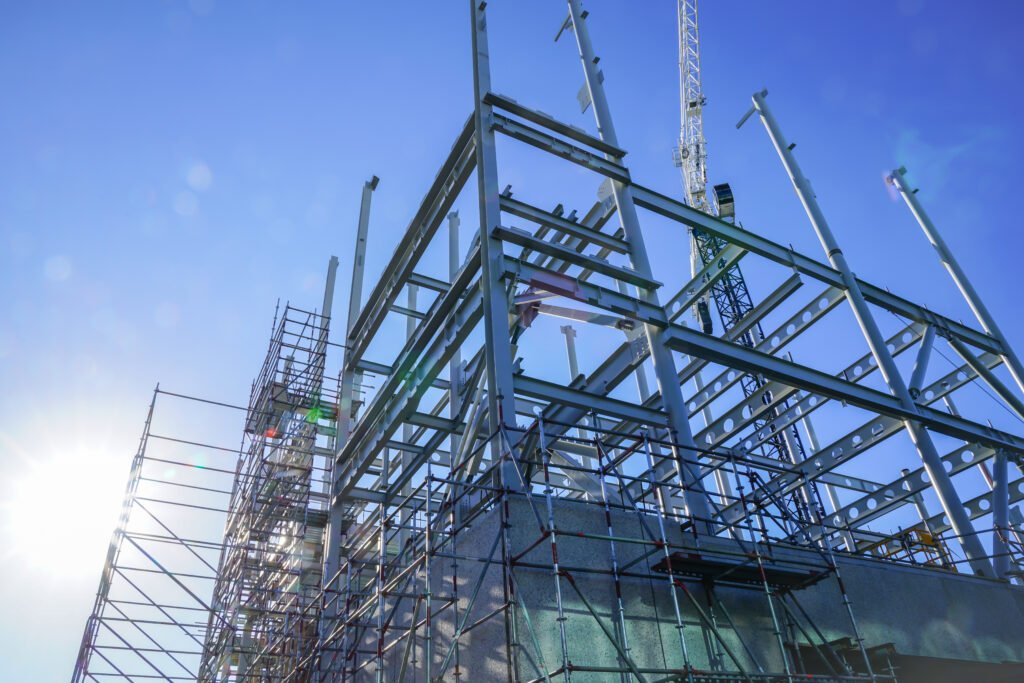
{"points": [[214, 571], [461, 560], [265, 601], [150, 617], [454, 509]]}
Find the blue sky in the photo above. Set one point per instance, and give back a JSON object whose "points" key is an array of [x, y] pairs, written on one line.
{"points": [[170, 169]]}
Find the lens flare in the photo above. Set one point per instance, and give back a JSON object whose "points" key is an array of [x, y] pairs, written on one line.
{"points": [[60, 514]]}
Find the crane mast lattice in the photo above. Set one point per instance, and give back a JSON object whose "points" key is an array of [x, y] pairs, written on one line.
{"points": [[730, 293]]}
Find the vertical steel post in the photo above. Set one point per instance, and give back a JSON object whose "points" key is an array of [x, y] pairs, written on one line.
{"points": [[574, 370], [1000, 515], [947, 494], [924, 353], [919, 504], [332, 272], [684, 446], [570, 350], [349, 378], [325, 312], [501, 404], [408, 430], [1013, 513], [988, 323], [455, 364], [454, 446]]}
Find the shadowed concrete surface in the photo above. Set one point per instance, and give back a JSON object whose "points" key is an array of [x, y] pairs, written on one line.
{"points": [[925, 624]]}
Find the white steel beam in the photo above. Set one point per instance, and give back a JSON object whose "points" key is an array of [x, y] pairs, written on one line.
{"points": [[603, 405], [842, 450], [944, 489], [979, 506], [551, 123], [501, 405], [903, 490], [664, 365], [575, 228], [981, 312], [608, 167], [568, 255]]}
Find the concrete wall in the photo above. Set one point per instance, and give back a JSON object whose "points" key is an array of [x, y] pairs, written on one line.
{"points": [[922, 612]]}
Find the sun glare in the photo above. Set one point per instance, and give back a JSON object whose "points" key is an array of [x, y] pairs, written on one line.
{"points": [[61, 512]]}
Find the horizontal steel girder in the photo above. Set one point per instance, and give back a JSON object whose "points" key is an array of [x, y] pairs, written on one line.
{"points": [[603, 405], [595, 219], [849, 446], [428, 282], [773, 342], [815, 381], [551, 123], [776, 341], [701, 283], [752, 242], [863, 367], [563, 253], [749, 360], [731, 422], [979, 506], [367, 366], [904, 489], [574, 228], [560, 148]]}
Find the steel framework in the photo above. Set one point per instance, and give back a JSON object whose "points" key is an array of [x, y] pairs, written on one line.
{"points": [[476, 517]]}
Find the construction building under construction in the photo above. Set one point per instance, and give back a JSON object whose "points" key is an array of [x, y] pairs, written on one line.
{"points": [[450, 505]]}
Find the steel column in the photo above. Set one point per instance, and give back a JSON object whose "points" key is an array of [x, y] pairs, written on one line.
{"points": [[944, 489], [498, 354], [664, 364], [349, 378], [981, 312], [455, 363], [921, 363], [1001, 515]]}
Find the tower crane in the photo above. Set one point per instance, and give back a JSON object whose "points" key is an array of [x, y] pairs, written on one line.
{"points": [[730, 293]]}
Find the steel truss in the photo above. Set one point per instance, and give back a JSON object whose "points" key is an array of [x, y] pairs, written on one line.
{"points": [[483, 519]]}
